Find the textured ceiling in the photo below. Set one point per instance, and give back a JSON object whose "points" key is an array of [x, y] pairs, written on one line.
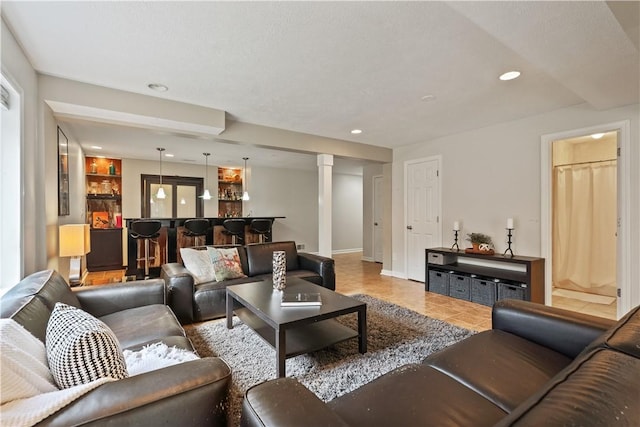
{"points": [[325, 68]]}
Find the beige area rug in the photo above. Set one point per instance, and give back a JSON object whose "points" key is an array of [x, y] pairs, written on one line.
{"points": [[396, 336], [583, 296]]}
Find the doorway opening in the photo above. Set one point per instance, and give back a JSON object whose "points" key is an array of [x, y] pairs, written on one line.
{"points": [[623, 261], [584, 224]]}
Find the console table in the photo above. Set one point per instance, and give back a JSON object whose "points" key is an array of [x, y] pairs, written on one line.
{"points": [[451, 272]]}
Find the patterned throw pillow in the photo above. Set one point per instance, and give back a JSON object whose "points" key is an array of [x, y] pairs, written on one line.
{"points": [[81, 348], [226, 263], [199, 265]]}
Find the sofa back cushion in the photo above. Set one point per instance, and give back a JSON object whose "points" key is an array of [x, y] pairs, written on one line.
{"points": [[260, 256], [597, 389], [624, 336], [31, 301]]}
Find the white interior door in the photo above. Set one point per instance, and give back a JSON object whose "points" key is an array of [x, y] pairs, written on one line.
{"points": [[377, 218], [422, 181]]}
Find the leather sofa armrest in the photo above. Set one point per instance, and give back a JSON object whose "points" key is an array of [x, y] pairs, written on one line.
{"points": [[285, 402], [564, 331], [324, 266], [189, 393], [106, 299], [181, 287]]}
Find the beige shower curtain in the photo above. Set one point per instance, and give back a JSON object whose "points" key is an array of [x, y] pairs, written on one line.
{"points": [[584, 227]]}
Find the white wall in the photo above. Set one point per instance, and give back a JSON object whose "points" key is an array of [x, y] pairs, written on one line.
{"points": [[493, 173], [290, 193], [346, 227]]}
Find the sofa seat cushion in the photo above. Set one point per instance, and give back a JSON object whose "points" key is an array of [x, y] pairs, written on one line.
{"points": [[136, 327], [512, 370], [598, 389], [210, 299], [416, 395]]}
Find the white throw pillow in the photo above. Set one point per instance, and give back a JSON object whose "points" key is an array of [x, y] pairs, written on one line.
{"points": [[81, 348], [23, 363], [199, 265]]}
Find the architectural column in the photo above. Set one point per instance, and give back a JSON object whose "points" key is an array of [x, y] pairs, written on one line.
{"points": [[325, 169]]}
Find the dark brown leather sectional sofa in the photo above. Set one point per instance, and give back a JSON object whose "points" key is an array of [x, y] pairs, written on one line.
{"points": [[191, 393], [538, 366], [204, 301]]}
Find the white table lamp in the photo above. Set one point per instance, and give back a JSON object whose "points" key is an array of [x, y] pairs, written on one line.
{"points": [[75, 242]]}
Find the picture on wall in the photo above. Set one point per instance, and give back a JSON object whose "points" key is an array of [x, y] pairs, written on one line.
{"points": [[63, 173]]}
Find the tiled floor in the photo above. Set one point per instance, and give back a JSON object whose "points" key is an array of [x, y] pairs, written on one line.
{"points": [[354, 276], [608, 311]]}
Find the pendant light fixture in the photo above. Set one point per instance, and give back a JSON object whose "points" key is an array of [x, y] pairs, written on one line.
{"points": [[160, 194], [245, 194], [206, 195]]}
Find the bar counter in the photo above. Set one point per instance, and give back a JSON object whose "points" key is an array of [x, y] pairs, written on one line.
{"points": [[166, 248]]}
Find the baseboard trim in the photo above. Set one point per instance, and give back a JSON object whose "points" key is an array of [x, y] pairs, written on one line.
{"points": [[346, 251], [367, 259]]}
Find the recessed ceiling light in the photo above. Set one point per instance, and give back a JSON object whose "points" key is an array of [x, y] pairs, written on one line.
{"points": [[356, 131], [158, 87], [597, 135], [510, 75], [428, 98], [168, 155], [95, 147]]}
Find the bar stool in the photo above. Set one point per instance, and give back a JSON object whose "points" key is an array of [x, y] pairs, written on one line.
{"points": [[261, 227], [197, 228], [234, 228], [145, 230]]}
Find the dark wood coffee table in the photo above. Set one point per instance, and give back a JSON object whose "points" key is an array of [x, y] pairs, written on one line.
{"points": [[295, 330]]}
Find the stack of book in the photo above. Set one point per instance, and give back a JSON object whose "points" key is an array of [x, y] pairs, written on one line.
{"points": [[301, 299]]}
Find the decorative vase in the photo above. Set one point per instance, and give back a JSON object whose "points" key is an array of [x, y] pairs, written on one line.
{"points": [[279, 270]]}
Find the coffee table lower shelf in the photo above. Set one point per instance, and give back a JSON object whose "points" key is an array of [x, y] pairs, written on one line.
{"points": [[301, 339]]}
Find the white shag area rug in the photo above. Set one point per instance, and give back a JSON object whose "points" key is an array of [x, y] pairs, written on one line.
{"points": [[395, 336]]}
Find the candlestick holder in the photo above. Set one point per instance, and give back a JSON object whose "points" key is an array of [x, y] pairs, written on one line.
{"points": [[508, 250], [455, 241]]}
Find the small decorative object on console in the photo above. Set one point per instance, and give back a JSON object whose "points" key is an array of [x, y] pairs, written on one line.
{"points": [[481, 244], [279, 270]]}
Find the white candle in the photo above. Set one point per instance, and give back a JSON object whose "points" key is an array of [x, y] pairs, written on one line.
{"points": [[456, 226], [510, 223]]}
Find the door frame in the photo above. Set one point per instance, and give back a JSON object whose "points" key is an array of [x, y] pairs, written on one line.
{"points": [[437, 158], [623, 267], [375, 202]]}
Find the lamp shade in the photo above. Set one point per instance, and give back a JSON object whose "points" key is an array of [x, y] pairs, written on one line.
{"points": [[75, 240]]}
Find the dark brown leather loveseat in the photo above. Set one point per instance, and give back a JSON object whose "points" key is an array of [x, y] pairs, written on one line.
{"points": [[538, 366], [191, 393], [204, 301]]}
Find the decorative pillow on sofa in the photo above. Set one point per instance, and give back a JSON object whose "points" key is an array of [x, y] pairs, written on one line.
{"points": [[81, 348], [199, 265], [226, 263]]}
